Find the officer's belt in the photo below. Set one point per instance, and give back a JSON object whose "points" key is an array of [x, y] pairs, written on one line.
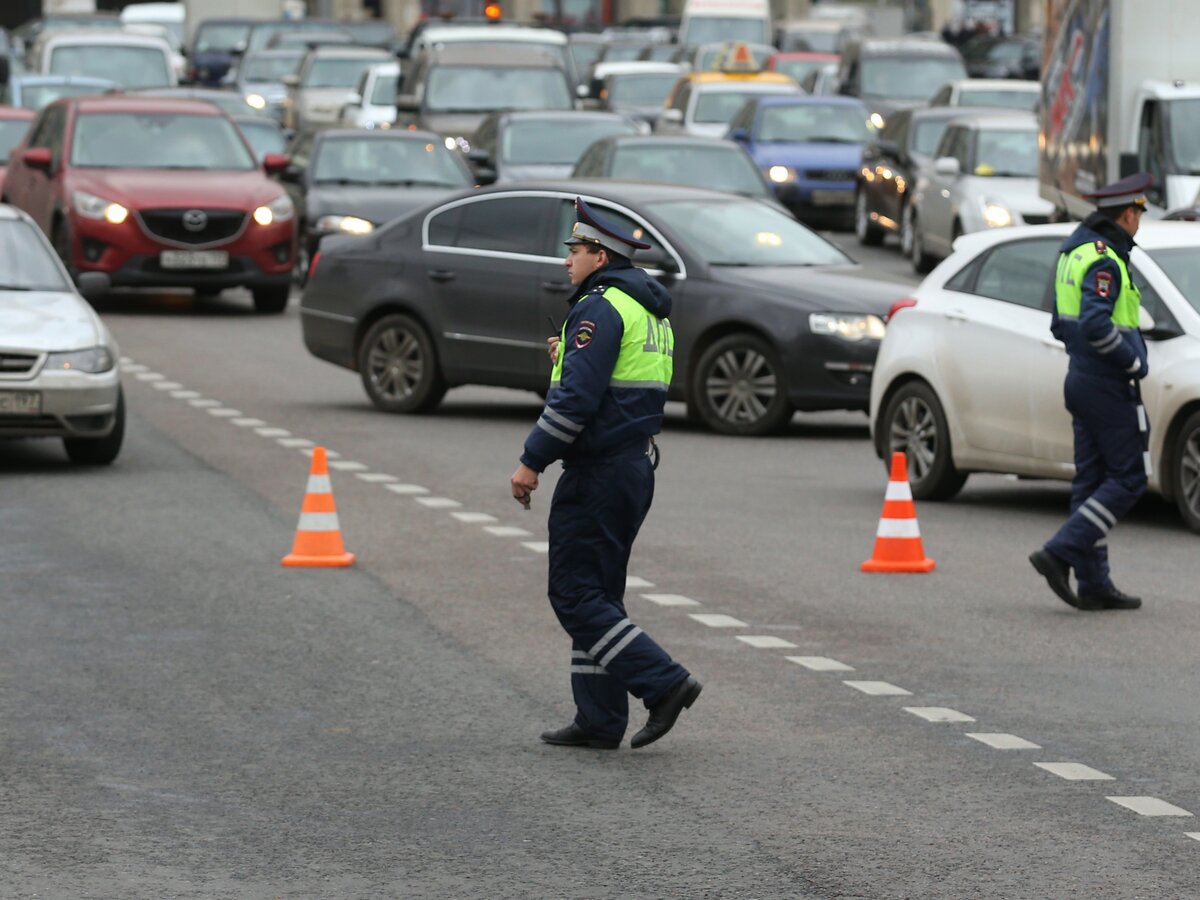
{"points": [[625, 450]]}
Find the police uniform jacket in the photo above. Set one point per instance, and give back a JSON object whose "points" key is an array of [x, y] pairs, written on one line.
{"points": [[1096, 309], [614, 367]]}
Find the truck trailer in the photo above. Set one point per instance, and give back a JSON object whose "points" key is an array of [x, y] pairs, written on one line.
{"points": [[1120, 94]]}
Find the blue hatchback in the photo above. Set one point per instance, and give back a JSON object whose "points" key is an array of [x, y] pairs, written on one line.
{"points": [[809, 149]]}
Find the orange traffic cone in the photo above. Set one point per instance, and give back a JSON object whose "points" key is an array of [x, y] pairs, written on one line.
{"points": [[898, 540], [318, 536]]}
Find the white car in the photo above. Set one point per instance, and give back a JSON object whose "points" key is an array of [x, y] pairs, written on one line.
{"points": [[373, 103], [984, 175], [325, 83], [705, 108], [1004, 93], [969, 379], [58, 363]]}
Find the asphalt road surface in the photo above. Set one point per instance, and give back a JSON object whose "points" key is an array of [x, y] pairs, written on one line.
{"points": [[183, 717]]}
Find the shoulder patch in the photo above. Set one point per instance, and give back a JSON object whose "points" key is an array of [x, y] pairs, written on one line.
{"points": [[1104, 284], [584, 333], [1101, 247]]}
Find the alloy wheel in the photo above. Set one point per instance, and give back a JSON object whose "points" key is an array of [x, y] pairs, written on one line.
{"points": [[741, 385], [1189, 473], [914, 433], [396, 364]]}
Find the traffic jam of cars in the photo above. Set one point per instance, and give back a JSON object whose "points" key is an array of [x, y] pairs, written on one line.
{"points": [[414, 191]]}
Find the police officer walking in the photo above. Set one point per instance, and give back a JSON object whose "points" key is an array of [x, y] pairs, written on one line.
{"points": [[612, 367], [1096, 316]]}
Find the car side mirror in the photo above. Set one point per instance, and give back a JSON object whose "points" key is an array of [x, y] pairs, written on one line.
{"points": [[672, 115], [93, 285], [276, 163], [947, 165], [741, 135], [291, 173], [38, 158], [354, 99], [407, 103]]}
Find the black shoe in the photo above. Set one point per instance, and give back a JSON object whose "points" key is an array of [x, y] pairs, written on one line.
{"points": [[574, 736], [663, 716], [1113, 598], [1057, 574]]}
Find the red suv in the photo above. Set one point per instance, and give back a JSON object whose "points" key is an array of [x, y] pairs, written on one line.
{"points": [[156, 192]]}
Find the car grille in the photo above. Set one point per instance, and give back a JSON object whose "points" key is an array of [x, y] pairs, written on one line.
{"points": [[831, 174], [1035, 220], [14, 365], [219, 225]]}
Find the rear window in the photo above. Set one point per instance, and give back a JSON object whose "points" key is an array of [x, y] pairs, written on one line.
{"points": [[555, 142], [130, 67], [159, 141], [26, 263], [1006, 99], [270, 68], [220, 38], [476, 89], [337, 73], [721, 106]]}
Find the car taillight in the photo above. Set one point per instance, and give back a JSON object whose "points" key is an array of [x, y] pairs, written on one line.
{"points": [[312, 266], [899, 305]]}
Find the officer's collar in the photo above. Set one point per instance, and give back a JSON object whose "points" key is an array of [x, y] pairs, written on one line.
{"points": [[1120, 239]]}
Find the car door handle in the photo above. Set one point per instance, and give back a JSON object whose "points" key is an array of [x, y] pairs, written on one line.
{"points": [[441, 274], [957, 315], [558, 287]]}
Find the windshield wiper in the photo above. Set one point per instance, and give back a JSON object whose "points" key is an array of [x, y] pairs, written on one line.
{"points": [[345, 181], [15, 287], [413, 182]]}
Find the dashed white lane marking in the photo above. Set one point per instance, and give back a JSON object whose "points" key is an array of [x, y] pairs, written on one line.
{"points": [[670, 599], [270, 432], [406, 489], [878, 688], [248, 423], [473, 518], [938, 714], [765, 641], [184, 395], [1149, 806], [203, 402], [133, 367], [537, 546], [348, 465], [225, 413], [632, 581], [507, 531], [310, 450], [1074, 771], [150, 376], [1194, 835], [375, 477], [718, 620], [1001, 741], [167, 385], [821, 663], [293, 443], [438, 502]]}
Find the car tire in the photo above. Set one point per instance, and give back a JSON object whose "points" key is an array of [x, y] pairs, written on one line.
{"points": [[738, 387], [868, 233], [915, 424], [398, 366], [1187, 471], [60, 238], [922, 262], [271, 299], [99, 451]]}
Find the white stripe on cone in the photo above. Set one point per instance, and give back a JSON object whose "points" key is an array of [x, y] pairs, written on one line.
{"points": [[319, 484], [318, 521], [898, 528], [898, 490]]}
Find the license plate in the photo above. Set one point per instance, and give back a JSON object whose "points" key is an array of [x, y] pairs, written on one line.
{"points": [[20, 403], [833, 198], [194, 259]]}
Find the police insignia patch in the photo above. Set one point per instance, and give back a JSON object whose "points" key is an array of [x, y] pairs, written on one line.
{"points": [[1101, 247], [584, 333], [1104, 283]]}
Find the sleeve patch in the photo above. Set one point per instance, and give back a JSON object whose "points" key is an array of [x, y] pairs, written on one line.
{"points": [[1101, 248], [584, 333], [1104, 284]]}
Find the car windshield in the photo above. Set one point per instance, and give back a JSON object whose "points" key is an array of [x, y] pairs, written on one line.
{"points": [[1007, 99], [384, 92], [798, 69], [1006, 153], [1184, 126], [130, 67], [709, 29], [337, 73], [717, 167], [1182, 266], [815, 123], [11, 132], [908, 77], [640, 90], [35, 96], [25, 261], [264, 138], [822, 41], [220, 38], [262, 32], [721, 106], [471, 89], [738, 232], [555, 141], [158, 141], [585, 54], [270, 68], [387, 161], [927, 135]]}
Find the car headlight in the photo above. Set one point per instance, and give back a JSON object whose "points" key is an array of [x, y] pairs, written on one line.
{"points": [[781, 174], [93, 360], [345, 224], [256, 101], [849, 327], [996, 215], [92, 207], [458, 143], [877, 120], [278, 210]]}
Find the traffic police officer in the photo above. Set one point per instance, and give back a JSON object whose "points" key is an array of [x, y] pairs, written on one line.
{"points": [[612, 366], [1096, 316]]}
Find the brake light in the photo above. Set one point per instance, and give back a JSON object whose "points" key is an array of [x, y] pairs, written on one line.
{"points": [[312, 266], [899, 305]]}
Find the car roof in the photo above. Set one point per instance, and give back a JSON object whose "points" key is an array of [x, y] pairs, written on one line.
{"points": [[9, 113], [348, 51], [814, 25], [273, 52], [31, 79], [671, 140], [631, 193], [476, 55], [560, 115], [927, 113], [1016, 85], [910, 47], [807, 100], [736, 82], [638, 67], [1016, 119], [127, 103], [482, 33], [374, 134], [104, 36], [805, 55], [1153, 234]]}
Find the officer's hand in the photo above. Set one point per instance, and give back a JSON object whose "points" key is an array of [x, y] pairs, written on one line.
{"points": [[1143, 370], [524, 482], [552, 349]]}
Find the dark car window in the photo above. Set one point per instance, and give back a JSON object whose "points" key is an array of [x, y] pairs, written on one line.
{"points": [[483, 89], [591, 164], [554, 141], [132, 67], [1018, 272], [502, 225], [220, 38], [719, 167], [384, 91], [331, 72], [1182, 266], [159, 141], [384, 161], [25, 262], [567, 217]]}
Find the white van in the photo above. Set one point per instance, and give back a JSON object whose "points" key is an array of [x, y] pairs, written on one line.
{"points": [[710, 21], [131, 60], [168, 15]]}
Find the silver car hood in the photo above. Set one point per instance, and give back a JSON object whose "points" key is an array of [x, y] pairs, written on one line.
{"points": [[1018, 194], [47, 321]]}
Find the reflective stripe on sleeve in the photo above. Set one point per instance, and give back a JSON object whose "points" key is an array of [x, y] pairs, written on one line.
{"points": [[640, 385], [555, 432], [1108, 343], [560, 419]]}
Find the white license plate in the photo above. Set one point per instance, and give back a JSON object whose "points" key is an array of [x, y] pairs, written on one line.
{"points": [[194, 259], [833, 198], [20, 403]]}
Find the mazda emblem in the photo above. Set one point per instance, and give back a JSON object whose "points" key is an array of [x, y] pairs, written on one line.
{"points": [[195, 219]]}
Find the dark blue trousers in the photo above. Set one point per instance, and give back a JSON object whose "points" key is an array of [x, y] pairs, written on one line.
{"points": [[1110, 474], [597, 510]]}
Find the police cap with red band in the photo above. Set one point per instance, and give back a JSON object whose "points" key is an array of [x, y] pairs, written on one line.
{"points": [[591, 229], [1129, 191]]}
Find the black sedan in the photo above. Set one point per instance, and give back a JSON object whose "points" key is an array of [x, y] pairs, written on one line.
{"points": [[769, 317]]}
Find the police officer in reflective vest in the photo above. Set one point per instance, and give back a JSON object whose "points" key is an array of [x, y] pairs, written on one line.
{"points": [[612, 366], [1096, 317]]}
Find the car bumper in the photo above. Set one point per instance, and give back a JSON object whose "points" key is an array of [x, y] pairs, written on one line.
{"points": [[73, 404], [329, 336], [818, 200], [829, 373]]}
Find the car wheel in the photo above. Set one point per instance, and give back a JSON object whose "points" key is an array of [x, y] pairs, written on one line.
{"points": [[99, 451], [906, 231], [738, 387], [271, 299], [303, 261], [398, 367], [1187, 471], [868, 233], [61, 240], [915, 425], [922, 262]]}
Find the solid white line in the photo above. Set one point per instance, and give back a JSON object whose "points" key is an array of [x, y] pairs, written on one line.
{"points": [[632, 581], [938, 714], [670, 599], [248, 423], [375, 477], [1149, 806], [167, 385], [438, 502], [406, 489], [507, 531], [718, 620], [537, 546], [273, 432], [820, 663], [293, 443], [149, 376], [765, 641], [133, 367], [1074, 771], [1001, 741], [203, 402], [349, 465], [225, 413], [184, 395], [878, 688], [473, 518]]}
